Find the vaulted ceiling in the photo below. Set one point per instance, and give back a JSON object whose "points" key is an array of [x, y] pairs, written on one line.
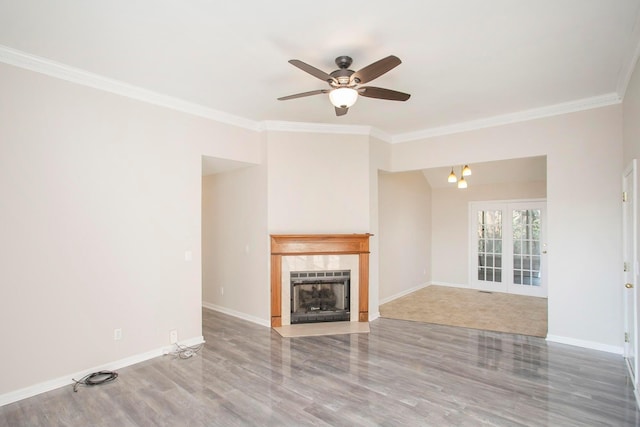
{"points": [[466, 63]]}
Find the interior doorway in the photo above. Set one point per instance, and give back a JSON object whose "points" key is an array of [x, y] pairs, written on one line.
{"points": [[440, 222], [233, 227]]}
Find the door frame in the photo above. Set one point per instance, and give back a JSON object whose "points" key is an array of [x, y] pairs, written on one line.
{"points": [[507, 285], [630, 271]]}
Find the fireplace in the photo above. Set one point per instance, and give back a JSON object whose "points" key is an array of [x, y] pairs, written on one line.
{"points": [[313, 250], [320, 296]]}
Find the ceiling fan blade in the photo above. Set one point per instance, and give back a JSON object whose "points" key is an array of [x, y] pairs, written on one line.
{"points": [[381, 93], [313, 71], [341, 111], [375, 70], [300, 95]]}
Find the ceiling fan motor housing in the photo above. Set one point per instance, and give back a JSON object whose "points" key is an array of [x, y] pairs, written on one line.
{"points": [[342, 76]]}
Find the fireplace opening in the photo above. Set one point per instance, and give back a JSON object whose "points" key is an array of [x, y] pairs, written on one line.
{"points": [[320, 296]]}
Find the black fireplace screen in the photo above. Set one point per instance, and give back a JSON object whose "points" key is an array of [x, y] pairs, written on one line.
{"points": [[320, 296]]}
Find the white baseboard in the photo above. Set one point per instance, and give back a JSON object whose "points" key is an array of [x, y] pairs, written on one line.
{"points": [[374, 316], [238, 314], [586, 344], [53, 384], [451, 285], [403, 293], [424, 285]]}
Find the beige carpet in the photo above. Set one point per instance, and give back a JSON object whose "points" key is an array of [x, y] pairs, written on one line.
{"points": [[470, 308], [322, 328]]}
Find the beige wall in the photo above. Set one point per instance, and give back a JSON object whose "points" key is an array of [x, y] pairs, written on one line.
{"points": [[99, 201], [584, 164], [450, 224], [404, 233], [318, 183], [379, 159], [631, 118]]}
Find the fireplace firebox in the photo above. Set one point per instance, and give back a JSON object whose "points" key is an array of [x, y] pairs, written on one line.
{"points": [[320, 296]]}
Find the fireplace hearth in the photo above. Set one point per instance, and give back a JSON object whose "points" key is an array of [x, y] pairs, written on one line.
{"points": [[320, 296]]}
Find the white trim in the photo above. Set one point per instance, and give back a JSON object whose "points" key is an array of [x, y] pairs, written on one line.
{"points": [[66, 380], [283, 126], [374, 316], [76, 75], [629, 225], [403, 293], [586, 344], [450, 285], [383, 136], [238, 314], [520, 116]]}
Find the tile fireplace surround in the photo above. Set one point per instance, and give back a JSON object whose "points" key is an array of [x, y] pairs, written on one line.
{"points": [[319, 244]]}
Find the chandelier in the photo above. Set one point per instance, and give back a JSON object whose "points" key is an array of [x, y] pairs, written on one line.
{"points": [[462, 183]]}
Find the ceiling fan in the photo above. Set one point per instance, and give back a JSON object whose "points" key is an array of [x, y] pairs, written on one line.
{"points": [[344, 82]]}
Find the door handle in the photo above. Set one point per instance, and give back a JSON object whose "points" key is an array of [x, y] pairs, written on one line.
{"points": [[628, 285]]}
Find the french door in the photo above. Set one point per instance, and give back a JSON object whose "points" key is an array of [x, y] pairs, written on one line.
{"points": [[507, 247]]}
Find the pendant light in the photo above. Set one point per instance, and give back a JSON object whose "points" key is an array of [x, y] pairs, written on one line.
{"points": [[462, 183], [466, 170], [452, 177]]}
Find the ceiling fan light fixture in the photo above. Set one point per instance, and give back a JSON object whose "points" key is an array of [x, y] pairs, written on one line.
{"points": [[343, 97]]}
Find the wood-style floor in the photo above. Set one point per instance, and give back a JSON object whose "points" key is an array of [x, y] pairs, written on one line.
{"points": [[401, 374]]}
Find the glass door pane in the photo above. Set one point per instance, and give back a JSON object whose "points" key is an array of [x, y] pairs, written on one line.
{"points": [[489, 228], [526, 246]]}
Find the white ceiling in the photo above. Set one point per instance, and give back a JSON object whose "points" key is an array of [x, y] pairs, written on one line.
{"points": [[464, 61]]}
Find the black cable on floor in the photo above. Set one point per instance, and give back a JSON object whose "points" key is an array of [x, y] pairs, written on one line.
{"points": [[95, 378]]}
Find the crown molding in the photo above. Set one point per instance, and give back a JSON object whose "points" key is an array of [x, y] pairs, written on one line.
{"points": [[505, 119], [76, 75], [283, 126]]}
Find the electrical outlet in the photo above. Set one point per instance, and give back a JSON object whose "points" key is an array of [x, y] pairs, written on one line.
{"points": [[221, 290], [117, 334], [173, 336]]}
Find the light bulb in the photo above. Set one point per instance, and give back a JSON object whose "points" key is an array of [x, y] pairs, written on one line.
{"points": [[452, 177], [343, 97]]}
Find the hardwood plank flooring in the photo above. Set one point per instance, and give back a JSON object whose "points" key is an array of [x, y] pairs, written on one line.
{"points": [[400, 374]]}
